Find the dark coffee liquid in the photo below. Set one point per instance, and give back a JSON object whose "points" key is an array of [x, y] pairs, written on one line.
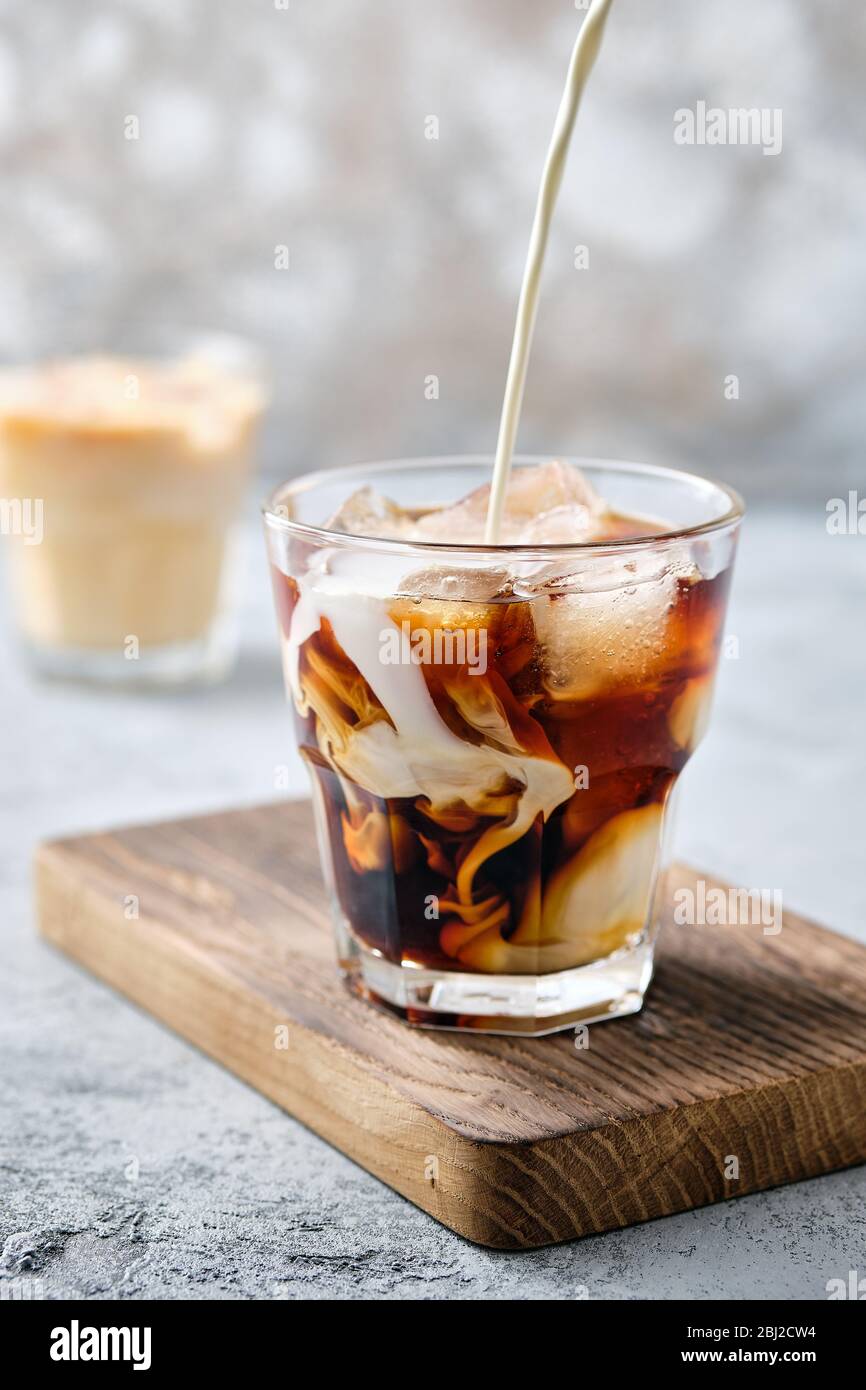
{"points": [[624, 732]]}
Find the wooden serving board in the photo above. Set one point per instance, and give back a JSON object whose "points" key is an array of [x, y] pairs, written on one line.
{"points": [[750, 1047]]}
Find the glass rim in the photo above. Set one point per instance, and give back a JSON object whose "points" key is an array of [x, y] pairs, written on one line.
{"points": [[305, 482]]}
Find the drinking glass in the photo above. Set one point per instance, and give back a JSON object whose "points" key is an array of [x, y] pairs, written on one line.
{"points": [[125, 458], [494, 736]]}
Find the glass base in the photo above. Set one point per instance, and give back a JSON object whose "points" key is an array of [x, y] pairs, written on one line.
{"points": [[529, 1005], [202, 661]]}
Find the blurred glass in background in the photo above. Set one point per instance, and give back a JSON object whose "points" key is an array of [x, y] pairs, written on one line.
{"points": [[123, 475]]}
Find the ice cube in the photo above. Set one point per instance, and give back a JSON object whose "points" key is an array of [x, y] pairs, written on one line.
{"points": [[543, 487], [551, 503], [615, 633], [450, 584], [368, 513], [447, 599], [546, 504], [569, 524]]}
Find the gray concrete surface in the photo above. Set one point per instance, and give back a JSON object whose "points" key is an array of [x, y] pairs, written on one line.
{"points": [[132, 1167]]}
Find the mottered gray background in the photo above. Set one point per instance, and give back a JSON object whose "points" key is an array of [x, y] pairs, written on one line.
{"points": [[266, 123]]}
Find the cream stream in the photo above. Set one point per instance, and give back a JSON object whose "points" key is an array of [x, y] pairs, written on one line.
{"points": [[582, 59]]}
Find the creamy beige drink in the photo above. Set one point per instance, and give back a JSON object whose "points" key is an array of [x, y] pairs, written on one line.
{"points": [[138, 469]]}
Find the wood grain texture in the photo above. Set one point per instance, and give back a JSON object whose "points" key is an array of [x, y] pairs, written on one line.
{"points": [[750, 1046]]}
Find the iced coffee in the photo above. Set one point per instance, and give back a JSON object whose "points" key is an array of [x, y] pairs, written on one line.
{"points": [[494, 733]]}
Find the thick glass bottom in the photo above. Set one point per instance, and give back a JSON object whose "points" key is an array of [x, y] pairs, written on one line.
{"points": [[529, 1005]]}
